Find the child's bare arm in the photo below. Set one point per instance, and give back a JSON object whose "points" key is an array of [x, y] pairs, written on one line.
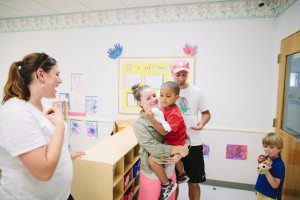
{"points": [[274, 182]]}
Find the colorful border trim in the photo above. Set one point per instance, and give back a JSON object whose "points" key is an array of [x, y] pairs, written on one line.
{"points": [[147, 15]]}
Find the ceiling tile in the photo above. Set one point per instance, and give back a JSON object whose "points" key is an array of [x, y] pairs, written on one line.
{"points": [[36, 12], [142, 3], [184, 1], [23, 4], [57, 3], [71, 8], [8, 12], [13, 13], [93, 1], [20, 8], [105, 5], [4, 8]]}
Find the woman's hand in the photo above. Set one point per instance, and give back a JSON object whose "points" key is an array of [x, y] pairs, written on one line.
{"points": [[182, 150], [56, 117], [77, 154], [173, 159], [42, 161]]}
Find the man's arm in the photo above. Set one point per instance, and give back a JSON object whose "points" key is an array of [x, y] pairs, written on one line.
{"points": [[205, 118]]}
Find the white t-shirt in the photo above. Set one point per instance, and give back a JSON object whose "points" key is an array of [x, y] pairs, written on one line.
{"points": [[24, 128], [191, 102]]}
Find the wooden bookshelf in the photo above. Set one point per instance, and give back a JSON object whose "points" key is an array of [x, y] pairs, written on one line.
{"points": [[101, 173], [121, 124]]}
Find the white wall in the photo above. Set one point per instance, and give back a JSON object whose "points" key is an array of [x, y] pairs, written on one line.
{"points": [[288, 23], [232, 66], [235, 66], [240, 171]]}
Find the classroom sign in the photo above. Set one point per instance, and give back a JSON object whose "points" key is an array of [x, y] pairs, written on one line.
{"points": [[146, 71]]}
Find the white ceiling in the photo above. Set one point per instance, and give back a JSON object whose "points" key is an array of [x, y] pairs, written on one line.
{"points": [[25, 8]]}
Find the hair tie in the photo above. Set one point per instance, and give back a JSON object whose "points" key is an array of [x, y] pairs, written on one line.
{"points": [[19, 65]]}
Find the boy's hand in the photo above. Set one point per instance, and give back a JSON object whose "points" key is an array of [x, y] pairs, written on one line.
{"points": [[268, 164]]}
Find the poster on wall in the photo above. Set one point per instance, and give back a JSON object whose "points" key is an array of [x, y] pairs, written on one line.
{"points": [[91, 105], [77, 105], [91, 129], [146, 71], [236, 152], [66, 97], [206, 150], [76, 82], [76, 127], [83, 128]]}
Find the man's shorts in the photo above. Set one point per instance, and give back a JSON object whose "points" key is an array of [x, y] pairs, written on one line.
{"points": [[194, 164]]}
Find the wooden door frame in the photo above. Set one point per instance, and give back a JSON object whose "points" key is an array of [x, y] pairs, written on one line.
{"points": [[291, 150], [288, 47]]}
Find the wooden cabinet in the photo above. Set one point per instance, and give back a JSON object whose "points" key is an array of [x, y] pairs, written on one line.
{"points": [[121, 124], [108, 170]]}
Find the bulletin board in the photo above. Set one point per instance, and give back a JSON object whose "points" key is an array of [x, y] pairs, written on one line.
{"points": [[152, 71]]}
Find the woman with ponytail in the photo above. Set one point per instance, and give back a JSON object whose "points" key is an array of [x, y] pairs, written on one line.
{"points": [[34, 156]]}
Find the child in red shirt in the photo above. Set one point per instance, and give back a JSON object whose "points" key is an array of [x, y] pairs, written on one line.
{"points": [[169, 94]]}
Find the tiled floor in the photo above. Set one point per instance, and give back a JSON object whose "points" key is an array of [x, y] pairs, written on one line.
{"points": [[217, 193]]}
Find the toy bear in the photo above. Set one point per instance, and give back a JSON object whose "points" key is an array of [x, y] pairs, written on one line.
{"points": [[159, 117]]}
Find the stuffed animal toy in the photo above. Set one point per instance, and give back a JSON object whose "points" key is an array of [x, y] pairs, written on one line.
{"points": [[159, 117], [262, 167], [261, 158]]}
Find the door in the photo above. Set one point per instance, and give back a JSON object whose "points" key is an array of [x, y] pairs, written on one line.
{"points": [[288, 113]]}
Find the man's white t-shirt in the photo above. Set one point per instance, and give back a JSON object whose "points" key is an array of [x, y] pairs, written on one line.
{"points": [[191, 102], [24, 128]]}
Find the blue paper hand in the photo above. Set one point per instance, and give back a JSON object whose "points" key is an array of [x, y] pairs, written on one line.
{"points": [[115, 52]]}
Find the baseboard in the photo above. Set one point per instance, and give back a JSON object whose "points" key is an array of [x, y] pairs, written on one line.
{"points": [[226, 184]]}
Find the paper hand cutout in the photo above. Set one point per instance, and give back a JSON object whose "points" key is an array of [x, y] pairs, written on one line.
{"points": [[190, 50], [115, 52]]}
